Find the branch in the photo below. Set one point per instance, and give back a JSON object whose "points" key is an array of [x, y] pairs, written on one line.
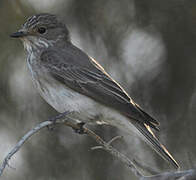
{"points": [[181, 175], [71, 123], [21, 142], [102, 145]]}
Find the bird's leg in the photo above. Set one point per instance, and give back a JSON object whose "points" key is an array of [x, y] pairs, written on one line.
{"points": [[55, 118], [80, 129]]}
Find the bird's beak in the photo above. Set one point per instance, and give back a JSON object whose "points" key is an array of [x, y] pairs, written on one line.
{"points": [[18, 34]]}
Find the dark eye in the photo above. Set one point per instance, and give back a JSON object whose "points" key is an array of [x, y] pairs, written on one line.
{"points": [[41, 30]]}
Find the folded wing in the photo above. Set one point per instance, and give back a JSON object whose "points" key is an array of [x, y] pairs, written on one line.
{"points": [[84, 75]]}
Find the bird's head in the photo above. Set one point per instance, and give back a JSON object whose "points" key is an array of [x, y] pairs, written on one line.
{"points": [[42, 31]]}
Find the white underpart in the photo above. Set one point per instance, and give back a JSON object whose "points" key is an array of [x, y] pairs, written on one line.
{"points": [[63, 98]]}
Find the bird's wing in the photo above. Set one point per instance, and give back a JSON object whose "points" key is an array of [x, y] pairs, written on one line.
{"points": [[87, 77], [95, 83]]}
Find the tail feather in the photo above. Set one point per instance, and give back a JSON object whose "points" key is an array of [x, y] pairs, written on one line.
{"points": [[149, 120], [154, 142]]}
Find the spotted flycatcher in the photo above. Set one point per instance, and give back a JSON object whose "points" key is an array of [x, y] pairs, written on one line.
{"points": [[69, 80]]}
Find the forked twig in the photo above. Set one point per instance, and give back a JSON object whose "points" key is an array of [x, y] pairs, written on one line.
{"points": [[71, 123], [186, 175]]}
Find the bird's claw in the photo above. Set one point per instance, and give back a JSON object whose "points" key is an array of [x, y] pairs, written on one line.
{"points": [[80, 130], [55, 118]]}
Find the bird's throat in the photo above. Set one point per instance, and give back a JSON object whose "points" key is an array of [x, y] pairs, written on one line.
{"points": [[34, 44]]}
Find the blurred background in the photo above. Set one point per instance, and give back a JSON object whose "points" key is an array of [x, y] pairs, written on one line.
{"points": [[149, 47]]}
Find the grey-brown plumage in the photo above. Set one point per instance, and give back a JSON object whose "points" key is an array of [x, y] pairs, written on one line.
{"points": [[69, 80]]}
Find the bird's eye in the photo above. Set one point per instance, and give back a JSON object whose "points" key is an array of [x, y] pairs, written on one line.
{"points": [[41, 30]]}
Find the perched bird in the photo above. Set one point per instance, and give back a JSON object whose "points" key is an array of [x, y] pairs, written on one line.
{"points": [[69, 80]]}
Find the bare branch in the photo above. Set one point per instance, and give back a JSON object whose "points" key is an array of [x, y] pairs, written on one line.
{"points": [[182, 175], [114, 139], [107, 147], [71, 123], [21, 142], [97, 147]]}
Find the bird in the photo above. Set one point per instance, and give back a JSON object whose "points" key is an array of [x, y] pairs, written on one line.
{"points": [[70, 80]]}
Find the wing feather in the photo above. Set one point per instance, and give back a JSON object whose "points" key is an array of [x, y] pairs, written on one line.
{"points": [[84, 75], [91, 80]]}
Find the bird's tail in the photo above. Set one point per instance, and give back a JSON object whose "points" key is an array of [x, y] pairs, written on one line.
{"points": [[154, 142]]}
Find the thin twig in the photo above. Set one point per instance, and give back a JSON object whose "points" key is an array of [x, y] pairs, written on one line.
{"points": [[146, 168], [107, 147], [97, 147], [181, 175], [185, 175], [71, 123], [21, 142], [114, 139]]}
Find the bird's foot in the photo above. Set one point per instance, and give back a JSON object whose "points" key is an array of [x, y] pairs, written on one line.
{"points": [[55, 118], [80, 129]]}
